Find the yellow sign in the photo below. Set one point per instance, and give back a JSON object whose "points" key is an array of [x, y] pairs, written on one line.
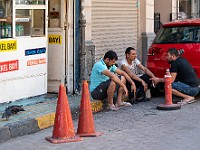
{"points": [[10, 45], [55, 39], [46, 121]]}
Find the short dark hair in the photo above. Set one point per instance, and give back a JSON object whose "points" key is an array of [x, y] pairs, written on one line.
{"points": [[129, 49], [173, 51], [111, 55]]}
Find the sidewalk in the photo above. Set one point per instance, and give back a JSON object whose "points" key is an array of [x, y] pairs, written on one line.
{"points": [[39, 114]]}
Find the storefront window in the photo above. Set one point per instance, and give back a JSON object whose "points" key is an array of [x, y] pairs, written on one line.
{"points": [[30, 22], [5, 19], [185, 9], [29, 18], [34, 2]]}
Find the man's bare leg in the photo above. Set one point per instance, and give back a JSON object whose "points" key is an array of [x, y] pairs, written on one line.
{"points": [[120, 93], [186, 98], [110, 93]]}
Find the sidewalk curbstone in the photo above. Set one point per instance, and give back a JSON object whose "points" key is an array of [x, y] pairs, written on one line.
{"points": [[23, 127], [33, 125], [45, 121], [4, 134]]}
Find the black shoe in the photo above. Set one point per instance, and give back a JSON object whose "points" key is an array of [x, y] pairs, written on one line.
{"points": [[133, 101], [142, 99], [145, 99]]}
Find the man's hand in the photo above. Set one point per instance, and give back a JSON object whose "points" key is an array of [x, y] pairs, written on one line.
{"points": [[133, 88], [125, 90], [145, 85], [155, 80]]}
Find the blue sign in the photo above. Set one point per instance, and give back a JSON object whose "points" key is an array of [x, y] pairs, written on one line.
{"points": [[35, 51]]}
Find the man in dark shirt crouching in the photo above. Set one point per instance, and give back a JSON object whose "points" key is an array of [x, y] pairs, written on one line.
{"points": [[184, 79]]}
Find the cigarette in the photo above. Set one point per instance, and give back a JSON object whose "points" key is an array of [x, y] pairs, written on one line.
{"points": [[153, 85]]}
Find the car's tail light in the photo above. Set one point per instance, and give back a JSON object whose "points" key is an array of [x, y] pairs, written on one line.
{"points": [[154, 51], [150, 52]]}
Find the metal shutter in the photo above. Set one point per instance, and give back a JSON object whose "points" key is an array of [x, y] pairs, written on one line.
{"points": [[114, 26]]}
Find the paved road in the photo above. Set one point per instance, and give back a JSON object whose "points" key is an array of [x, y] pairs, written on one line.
{"points": [[140, 127]]}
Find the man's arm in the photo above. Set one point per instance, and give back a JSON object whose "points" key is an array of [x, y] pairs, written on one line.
{"points": [[133, 76], [173, 74], [157, 80], [146, 70], [120, 72], [115, 78]]}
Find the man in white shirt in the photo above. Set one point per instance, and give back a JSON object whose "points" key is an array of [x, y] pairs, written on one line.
{"points": [[131, 65]]}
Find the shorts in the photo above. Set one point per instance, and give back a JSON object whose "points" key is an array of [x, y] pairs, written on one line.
{"points": [[100, 92], [185, 89]]}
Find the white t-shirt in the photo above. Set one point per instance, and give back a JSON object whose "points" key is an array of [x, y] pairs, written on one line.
{"points": [[132, 67]]}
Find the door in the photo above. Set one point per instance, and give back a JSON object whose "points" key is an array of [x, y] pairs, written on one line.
{"points": [[57, 44], [112, 29]]}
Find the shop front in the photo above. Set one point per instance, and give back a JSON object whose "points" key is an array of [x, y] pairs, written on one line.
{"points": [[62, 26], [23, 49]]}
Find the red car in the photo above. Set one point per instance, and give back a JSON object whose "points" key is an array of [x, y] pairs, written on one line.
{"points": [[183, 35]]}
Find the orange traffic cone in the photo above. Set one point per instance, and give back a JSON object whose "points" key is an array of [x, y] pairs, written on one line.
{"points": [[63, 130], [86, 120]]}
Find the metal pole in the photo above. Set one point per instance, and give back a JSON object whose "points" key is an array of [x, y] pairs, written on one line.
{"points": [[82, 52]]}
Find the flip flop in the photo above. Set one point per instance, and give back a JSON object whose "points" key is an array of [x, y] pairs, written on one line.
{"points": [[188, 102], [191, 101], [124, 104], [112, 108], [182, 103]]}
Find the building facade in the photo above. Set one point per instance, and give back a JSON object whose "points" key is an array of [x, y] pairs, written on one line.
{"points": [[108, 25]]}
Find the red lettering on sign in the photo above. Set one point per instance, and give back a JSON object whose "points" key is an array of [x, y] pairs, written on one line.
{"points": [[36, 62], [8, 66]]}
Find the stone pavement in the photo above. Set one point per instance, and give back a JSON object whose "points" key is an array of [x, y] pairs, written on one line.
{"points": [[39, 114]]}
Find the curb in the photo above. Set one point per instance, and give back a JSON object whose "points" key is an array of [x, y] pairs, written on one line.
{"points": [[33, 125], [47, 120]]}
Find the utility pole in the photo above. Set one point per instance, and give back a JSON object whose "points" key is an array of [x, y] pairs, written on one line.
{"points": [[82, 52]]}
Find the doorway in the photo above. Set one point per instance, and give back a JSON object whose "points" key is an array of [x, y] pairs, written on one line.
{"points": [[57, 44]]}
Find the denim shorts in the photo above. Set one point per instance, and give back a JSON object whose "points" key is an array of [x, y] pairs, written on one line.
{"points": [[185, 89]]}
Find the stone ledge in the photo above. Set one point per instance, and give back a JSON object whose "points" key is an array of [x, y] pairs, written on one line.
{"points": [[47, 120], [28, 126]]}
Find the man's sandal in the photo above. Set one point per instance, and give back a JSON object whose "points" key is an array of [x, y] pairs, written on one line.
{"points": [[123, 104], [186, 102], [112, 108]]}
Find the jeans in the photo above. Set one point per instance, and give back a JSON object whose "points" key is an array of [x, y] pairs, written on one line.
{"points": [[185, 89]]}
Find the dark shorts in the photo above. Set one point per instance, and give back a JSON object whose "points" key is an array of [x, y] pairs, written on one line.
{"points": [[100, 92], [139, 86], [185, 89]]}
